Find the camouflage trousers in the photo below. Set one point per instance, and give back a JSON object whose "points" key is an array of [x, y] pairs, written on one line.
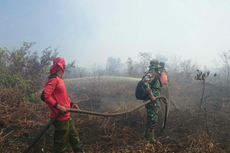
{"points": [[65, 132], [152, 114]]}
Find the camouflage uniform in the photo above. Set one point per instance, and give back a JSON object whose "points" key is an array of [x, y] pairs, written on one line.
{"points": [[150, 84]]}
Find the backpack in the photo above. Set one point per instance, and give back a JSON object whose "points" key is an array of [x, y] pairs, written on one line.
{"points": [[139, 92]]}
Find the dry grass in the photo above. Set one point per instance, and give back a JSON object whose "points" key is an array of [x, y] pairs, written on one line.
{"points": [[184, 132]]}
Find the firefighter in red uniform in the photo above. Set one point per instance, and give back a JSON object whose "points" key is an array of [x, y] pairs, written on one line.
{"points": [[56, 97]]}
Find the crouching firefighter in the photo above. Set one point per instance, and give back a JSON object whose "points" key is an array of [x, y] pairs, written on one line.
{"points": [[151, 86]]}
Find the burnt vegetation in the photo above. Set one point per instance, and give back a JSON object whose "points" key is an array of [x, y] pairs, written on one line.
{"points": [[201, 124]]}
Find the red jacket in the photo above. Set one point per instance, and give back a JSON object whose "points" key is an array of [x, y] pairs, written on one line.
{"points": [[55, 93], [164, 78]]}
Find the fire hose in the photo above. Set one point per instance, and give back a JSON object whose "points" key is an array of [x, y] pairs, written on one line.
{"points": [[97, 114]]}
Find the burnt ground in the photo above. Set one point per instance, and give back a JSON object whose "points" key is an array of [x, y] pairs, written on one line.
{"points": [[189, 129], [183, 133]]}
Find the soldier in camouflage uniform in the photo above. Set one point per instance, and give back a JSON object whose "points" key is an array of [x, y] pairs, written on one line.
{"points": [[151, 85]]}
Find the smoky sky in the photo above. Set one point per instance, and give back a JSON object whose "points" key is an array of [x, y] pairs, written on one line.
{"points": [[91, 31]]}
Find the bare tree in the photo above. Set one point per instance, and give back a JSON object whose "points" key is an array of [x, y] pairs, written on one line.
{"points": [[161, 58], [145, 59], [67, 69], [113, 66], [225, 56], [130, 67], [173, 67], [188, 68]]}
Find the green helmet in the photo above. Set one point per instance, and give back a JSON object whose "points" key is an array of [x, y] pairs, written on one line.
{"points": [[154, 64]]}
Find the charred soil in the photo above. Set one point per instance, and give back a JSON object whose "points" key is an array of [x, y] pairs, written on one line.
{"points": [[187, 129]]}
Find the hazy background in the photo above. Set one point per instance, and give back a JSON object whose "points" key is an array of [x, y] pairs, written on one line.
{"points": [[91, 31]]}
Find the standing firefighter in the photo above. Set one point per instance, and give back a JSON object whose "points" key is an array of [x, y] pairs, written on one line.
{"points": [[151, 84], [165, 88], [56, 97], [164, 81]]}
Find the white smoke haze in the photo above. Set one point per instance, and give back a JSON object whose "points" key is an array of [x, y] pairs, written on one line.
{"points": [[91, 31]]}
